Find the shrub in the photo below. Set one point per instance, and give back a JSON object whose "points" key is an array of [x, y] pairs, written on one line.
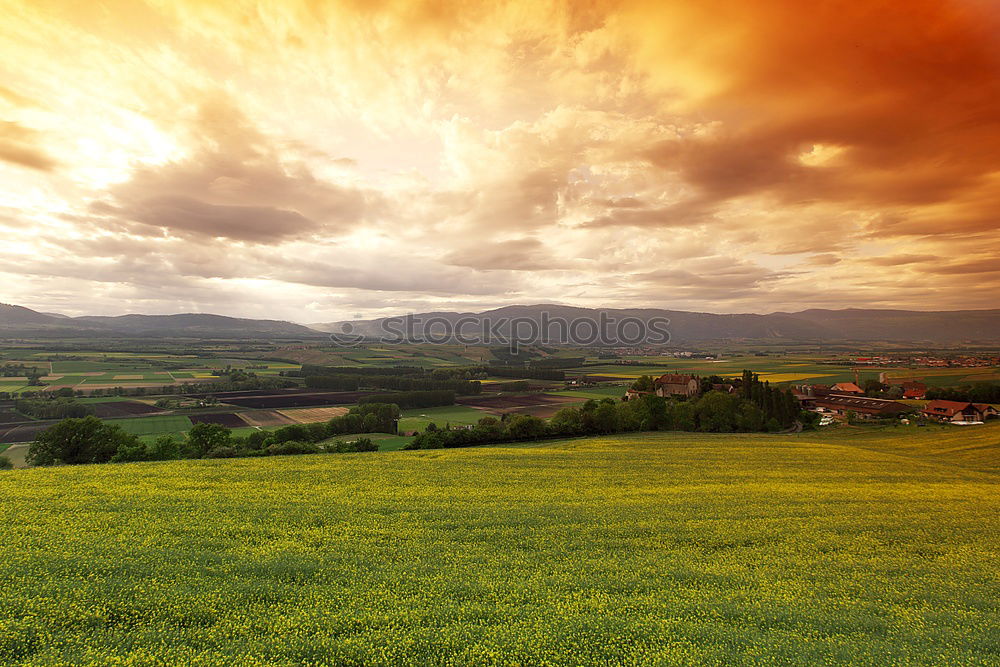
{"points": [[365, 418], [365, 445], [224, 452], [256, 440], [165, 448], [336, 447], [414, 399], [525, 427], [130, 451], [292, 433], [427, 440], [292, 447], [316, 432], [5, 463]]}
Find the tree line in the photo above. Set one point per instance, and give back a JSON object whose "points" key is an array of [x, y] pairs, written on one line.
{"points": [[979, 392], [52, 408], [247, 382], [314, 369], [766, 410], [90, 440], [352, 382], [528, 373], [414, 399]]}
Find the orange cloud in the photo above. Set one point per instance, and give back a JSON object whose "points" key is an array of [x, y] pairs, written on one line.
{"points": [[710, 154], [907, 92]]}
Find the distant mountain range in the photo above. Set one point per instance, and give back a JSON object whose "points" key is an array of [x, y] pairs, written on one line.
{"points": [[850, 325], [17, 321], [856, 325]]}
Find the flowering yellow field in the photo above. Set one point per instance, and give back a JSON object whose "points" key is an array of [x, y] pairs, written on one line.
{"points": [[792, 377], [641, 550]]}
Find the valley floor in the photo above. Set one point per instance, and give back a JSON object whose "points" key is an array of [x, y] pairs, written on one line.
{"points": [[854, 546]]}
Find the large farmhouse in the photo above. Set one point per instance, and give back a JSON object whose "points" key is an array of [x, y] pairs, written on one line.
{"points": [[670, 386], [959, 411]]}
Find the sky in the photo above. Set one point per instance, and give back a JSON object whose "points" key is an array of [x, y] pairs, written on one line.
{"points": [[318, 161]]}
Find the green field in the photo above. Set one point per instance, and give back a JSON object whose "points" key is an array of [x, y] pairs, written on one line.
{"points": [[422, 355], [168, 424], [787, 369], [387, 442], [85, 371], [417, 419], [596, 393], [776, 369], [852, 547]]}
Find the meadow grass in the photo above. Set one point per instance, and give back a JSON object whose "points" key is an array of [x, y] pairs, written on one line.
{"points": [[846, 547], [417, 419], [387, 442], [93, 400], [784, 369], [596, 393], [160, 425]]}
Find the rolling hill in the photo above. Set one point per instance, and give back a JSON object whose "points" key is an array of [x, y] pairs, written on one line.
{"points": [[856, 325], [814, 325], [20, 321]]}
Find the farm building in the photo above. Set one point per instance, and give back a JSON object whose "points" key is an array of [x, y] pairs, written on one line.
{"points": [[847, 388], [632, 394], [725, 388], [914, 390], [958, 411], [672, 385], [866, 408], [807, 394], [804, 395]]}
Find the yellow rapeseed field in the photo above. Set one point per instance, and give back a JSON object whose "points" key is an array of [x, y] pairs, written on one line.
{"points": [[652, 549], [792, 377]]}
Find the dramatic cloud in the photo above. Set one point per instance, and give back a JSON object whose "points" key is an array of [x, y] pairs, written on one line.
{"points": [[322, 160], [234, 184], [18, 145]]}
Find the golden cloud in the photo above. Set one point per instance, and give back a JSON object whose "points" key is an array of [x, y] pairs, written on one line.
{"points": [[558, 147]]}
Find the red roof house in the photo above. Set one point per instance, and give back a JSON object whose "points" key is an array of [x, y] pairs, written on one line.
{"points": [[959, 411]]}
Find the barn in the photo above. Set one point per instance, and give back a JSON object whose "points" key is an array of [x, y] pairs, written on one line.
{"points": [[865, 408]]}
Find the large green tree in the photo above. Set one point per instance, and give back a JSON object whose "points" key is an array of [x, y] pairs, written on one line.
{"points": [[203, 438], [643, 383], [72, 441]]}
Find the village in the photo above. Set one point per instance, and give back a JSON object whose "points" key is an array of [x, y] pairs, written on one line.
{"points": [[841, 401]]}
